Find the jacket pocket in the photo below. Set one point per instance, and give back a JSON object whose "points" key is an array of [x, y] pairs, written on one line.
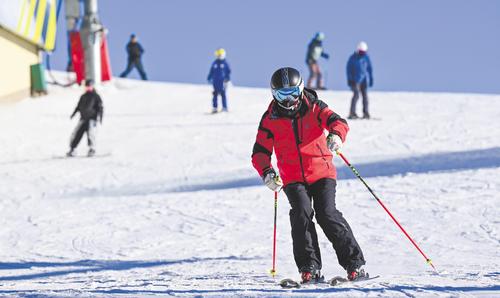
{"points": [[323, 156]]}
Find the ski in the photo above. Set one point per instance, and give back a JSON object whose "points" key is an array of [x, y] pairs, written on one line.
{"points": [[289, 283], [338, 280], [97, 155]]}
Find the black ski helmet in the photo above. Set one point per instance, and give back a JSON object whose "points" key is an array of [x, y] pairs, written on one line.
{"points": [[287, 86]]}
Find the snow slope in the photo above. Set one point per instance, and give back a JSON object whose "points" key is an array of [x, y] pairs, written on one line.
{"points": [[173, 207]]}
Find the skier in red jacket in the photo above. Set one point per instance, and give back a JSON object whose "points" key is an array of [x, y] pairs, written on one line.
{"points": [[293, 126]]}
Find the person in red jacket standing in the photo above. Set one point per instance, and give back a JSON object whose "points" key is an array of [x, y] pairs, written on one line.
{"points": [[294, 127]]}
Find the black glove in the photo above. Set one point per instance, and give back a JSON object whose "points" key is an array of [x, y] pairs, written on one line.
{"points": [[351, 83], [371, 82]]}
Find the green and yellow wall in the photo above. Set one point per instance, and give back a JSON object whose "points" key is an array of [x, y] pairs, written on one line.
{"points": [[26, 28]]}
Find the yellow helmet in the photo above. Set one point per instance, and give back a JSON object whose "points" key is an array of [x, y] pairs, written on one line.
{"points": [[220, 53]]}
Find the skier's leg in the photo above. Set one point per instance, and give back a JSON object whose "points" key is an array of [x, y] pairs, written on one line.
{"points": [[319, 78], [77, 134], [312, 74], [224, 100], [91, 128], [214, 99], [127, 70], [354, 100], [336, 228], [140, 68], [91, 134], [364, 94], [305, 240]]}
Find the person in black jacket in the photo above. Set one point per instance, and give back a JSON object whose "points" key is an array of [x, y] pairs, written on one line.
{"points": [[90, 108], [134, 51]]}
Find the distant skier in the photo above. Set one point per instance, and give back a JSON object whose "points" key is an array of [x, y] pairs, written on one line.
{"points": [[314, 52], [134, 51], [294, 126], [219, 77], [91, 110], [359, 78]]}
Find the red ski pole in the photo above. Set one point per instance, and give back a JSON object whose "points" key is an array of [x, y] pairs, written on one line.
{"points": [[273, 271], [385, 208]]}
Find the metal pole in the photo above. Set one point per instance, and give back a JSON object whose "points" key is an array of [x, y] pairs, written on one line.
{"points": [[91, 40]]}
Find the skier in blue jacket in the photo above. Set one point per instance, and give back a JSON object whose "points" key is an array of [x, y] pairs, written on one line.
{"points": [[359, 78], [219, 76], [134, 51]]}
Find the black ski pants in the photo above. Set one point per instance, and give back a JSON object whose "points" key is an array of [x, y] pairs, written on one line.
{"points": [[357, 89], [321, 196], [137, 63], [83, 126]]}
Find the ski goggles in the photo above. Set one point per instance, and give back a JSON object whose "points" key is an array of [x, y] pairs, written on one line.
{"points": [[286, 94]]}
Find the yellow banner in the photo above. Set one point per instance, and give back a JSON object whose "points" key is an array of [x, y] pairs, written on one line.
{"points": [[34, 20]]}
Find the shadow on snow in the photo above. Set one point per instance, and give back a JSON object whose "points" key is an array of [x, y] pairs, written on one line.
{"points": [[430, 163], [438, 162], [85, 266]]}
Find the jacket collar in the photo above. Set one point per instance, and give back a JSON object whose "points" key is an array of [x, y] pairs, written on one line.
{"points": [[275, 111]]}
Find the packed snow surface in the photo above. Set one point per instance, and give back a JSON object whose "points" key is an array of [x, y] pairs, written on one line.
{"points": [[172, 206]]}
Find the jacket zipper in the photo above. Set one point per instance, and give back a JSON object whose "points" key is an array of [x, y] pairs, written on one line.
{"points": [[297, 142]]}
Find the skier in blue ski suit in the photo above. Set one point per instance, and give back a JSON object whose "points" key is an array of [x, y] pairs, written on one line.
{"points": [[219, 76], [359, 77]]}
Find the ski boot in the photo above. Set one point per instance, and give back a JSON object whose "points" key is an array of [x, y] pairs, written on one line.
{"points": [[310, 274], [91, 153], [357, 273], [353, 116], [366, 116]]}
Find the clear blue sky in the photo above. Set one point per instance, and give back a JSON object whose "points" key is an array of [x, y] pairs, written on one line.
{"points": [[426, 45]]}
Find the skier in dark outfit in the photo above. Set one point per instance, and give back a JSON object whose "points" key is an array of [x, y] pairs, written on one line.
{"points": [[293, 126], [90, 108], [134, 51]]}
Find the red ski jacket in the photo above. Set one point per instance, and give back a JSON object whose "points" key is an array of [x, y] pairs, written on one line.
{"points": [[299, 141]]}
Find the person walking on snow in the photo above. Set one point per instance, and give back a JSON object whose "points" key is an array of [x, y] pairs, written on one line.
{"points": [[219, 77], [359, 78], [314, 52], [134, 51], [90, 109], [294, 127]]}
